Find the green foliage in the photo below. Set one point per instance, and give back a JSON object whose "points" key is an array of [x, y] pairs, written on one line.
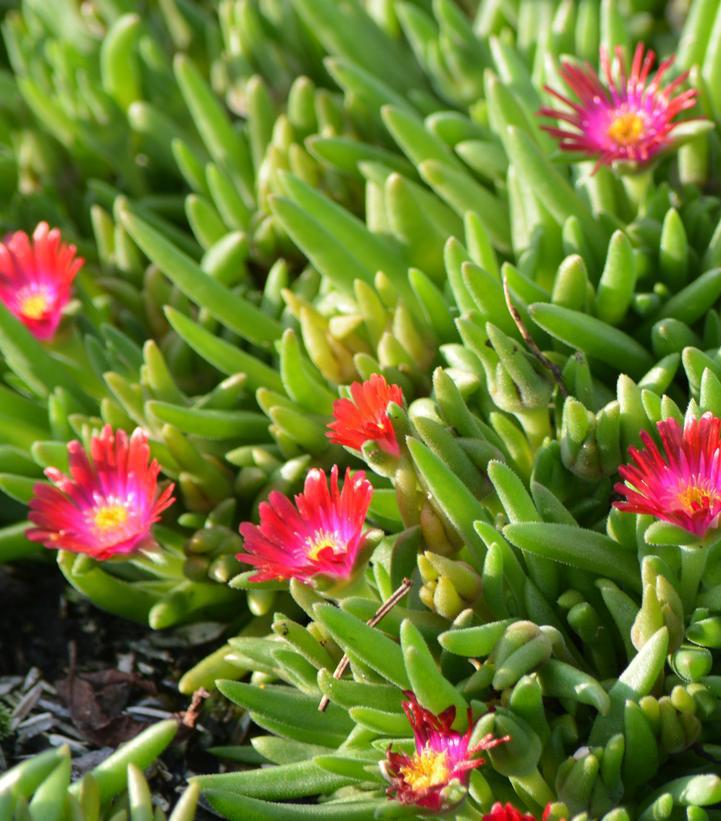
{"points": [[278, 198], [40, 788]]}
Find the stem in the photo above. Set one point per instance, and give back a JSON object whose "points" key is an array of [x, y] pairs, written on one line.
{"points": [[466, 812], [636, 187], [599, 184], [160, 563], [693, 564], [407, 494], [535, 425], [358, 586], [536, 787], [531, 342]]}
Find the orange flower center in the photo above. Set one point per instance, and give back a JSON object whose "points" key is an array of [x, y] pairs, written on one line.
{"points": [[429, 769], [626, 129], [109, 517], [34, 305], [322, 540], [693, 498]]}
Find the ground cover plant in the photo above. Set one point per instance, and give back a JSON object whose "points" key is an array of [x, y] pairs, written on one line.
{"points": [[365, 355]]}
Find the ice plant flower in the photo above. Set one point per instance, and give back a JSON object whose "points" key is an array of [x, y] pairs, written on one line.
{"points": [[364, 417], [108, 504], [443, 758], [36, 276], [321, 534], [682, 485], [630, 118], [507, 812]]}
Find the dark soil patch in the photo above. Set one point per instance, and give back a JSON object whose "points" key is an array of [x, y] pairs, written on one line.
{"points": [[72, 674]]}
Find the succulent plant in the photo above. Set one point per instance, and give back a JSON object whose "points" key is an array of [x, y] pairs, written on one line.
{"points": [[41, 788], [327, 237]]}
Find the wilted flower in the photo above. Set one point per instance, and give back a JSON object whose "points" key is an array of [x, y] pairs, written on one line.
{"points": [[321, 534], [683, 486], [109, 503], [365, 416], [443, 758], [628, 119], [36, 276]]}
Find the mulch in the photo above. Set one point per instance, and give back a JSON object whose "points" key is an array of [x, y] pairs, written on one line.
{"points": [[72, 674]]}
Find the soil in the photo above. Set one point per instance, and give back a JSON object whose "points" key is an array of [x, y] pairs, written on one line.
{"points": [[72, 674]]}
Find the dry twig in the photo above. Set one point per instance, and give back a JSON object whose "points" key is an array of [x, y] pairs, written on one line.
{"points": [[531, 342], [383, 610]]}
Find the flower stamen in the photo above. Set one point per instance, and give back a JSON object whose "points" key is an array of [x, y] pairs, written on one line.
{"points": [[108, 517], [34, 306], [426, 769], [627, 128], [694, 498], [323, 540]]}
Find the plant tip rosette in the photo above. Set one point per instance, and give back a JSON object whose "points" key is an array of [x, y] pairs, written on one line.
{"points": [[319, 534], [36, 276], [364, 417], [631, 118], [682, 485], [108, 504], [436, 775]]}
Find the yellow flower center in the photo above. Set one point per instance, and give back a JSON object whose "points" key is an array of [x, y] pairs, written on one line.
{"points": [[109, 517], [322, 540], [429, 769], [626, 129], [34, 306], [693, 498]]}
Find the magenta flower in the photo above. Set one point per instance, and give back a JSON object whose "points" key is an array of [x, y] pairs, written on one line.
{"points": [[683, 486], [630, 118], [365, 416], [109, 503], [36, 276], [442, 756], [321, 535]]}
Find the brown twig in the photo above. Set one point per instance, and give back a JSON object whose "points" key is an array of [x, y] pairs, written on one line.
{"points": [[190, 716], [531, 342], [382, 611]]}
